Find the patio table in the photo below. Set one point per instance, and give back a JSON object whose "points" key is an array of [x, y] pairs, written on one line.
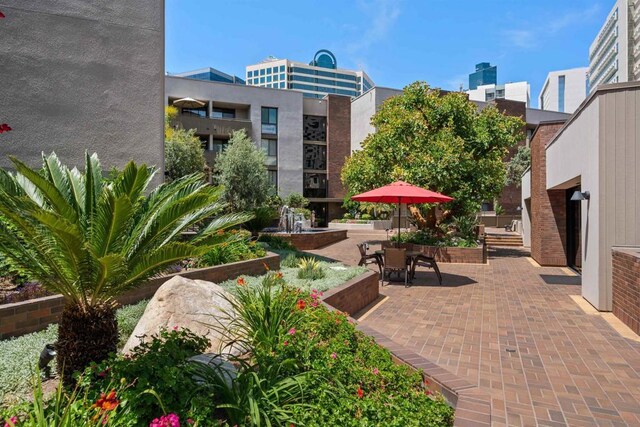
{"points": [[411, 257]]}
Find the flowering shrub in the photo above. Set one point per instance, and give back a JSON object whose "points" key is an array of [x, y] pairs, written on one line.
{"points": [[158, 364], [238, 247]]}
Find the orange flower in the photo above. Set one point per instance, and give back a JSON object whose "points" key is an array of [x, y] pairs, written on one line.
{"points": [[241, 281], [301, 304], [266, 267], [279, 274], [107, 402]]}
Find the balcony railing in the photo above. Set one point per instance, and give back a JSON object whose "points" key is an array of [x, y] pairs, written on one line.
{"points": [[217, 126]]}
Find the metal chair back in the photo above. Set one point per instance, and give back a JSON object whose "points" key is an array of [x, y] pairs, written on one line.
{"points": [[395, 258]]}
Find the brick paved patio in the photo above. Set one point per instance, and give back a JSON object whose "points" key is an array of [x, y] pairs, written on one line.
{"points": [[567, 367]]}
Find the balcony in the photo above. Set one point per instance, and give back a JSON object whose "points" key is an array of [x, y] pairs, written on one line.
{"points": [[217, 127]]}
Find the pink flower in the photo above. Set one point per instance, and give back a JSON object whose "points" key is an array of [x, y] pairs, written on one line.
{"points": [[334, 355], [170, 420], [375, 371], [292, 331], [286, 343], [13, 421], [175, 328]]}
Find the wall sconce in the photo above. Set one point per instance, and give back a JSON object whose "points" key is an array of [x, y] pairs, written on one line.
{"points": [[579, 196]]}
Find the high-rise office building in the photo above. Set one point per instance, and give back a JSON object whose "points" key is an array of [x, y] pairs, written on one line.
{"points": [[318, 78], [211, 75], [518, 91], [614, 55], [564, 90], [485, 74]]}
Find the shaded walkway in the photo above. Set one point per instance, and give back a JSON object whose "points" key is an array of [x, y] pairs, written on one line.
{"points": [[513, 329]]}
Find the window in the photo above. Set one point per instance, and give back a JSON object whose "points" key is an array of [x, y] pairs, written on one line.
{"points": [[270, 149], [223, 113], [315, 157], [273, 177], [261, 80], [262, 71], [268, 79], [269, 120], [315, 185], [281, 76], [281, 85], [275, 70], [249, 73], [314, 128], [268, 71], [282, 68], [199, 112], [204, 142], [561, 84], [219, 145]]}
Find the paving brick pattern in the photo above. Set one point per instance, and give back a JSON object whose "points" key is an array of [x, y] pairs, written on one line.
{"points": [[567, 367]]}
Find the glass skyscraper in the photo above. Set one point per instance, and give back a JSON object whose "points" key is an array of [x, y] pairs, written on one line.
{"points": [[485, 75]]}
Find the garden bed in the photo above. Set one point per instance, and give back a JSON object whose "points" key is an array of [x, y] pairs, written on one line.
{"points": [[36, 314], [452, 254], [315, 239]]}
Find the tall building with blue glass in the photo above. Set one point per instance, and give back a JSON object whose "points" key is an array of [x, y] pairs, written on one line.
{"points": [[211, 75], [485, 74], [316, 79]]}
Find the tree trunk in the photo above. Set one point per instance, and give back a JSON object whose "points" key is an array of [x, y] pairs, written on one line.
{"points": [[85, 335]]}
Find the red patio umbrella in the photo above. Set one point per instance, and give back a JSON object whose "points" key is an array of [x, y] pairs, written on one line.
{"points": [[401, 192]]}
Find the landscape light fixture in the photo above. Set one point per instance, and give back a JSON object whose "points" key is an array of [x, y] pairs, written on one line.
{"points": [[579, 196], [46, 356]]}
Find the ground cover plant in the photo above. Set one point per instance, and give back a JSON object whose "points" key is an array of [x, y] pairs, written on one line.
{"points": [[19, 356], [238, 247]]}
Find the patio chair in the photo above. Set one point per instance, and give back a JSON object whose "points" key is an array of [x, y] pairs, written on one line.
{"points": [[369, 258], [426, 261], [395, 260]]}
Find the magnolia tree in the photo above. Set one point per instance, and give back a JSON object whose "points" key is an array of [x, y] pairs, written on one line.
{"points": [[437, 141], [242, 172]]}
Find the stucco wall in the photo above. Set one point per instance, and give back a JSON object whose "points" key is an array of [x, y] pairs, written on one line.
{"points": [[288, 102], [363, 108], [82, 75]]}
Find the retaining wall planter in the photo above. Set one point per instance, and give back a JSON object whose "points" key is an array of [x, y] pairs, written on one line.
{"points": [[454, 254], [312, 240], [371, 225], [34, 315], [354, 295]]}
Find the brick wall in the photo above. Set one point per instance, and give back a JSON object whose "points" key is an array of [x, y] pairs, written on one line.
{"points": [[338, 141], [626, 286], [356, 294], [548, 208], [315, 240], [511, 196], [34, 315]]}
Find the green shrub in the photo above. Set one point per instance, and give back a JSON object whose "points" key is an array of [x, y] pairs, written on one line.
{"points": [[128, 317], [158, 364], [306, 213], [296, 200], [276, 242], [310, 269], [347, 216], [425, 237], [366, 217], [238, 247], [291, 260], [263, 217]]}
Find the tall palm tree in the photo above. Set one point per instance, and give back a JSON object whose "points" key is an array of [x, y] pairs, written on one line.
{"points": [[90, 239]]}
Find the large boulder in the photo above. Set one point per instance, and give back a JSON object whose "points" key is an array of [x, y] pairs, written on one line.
{"points": [[184, 303]]}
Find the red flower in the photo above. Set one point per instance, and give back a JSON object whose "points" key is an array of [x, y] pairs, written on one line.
{"points": [[279, 275], [1, 15], [360, 392], [241, 281], [301, 304], [107, 402], [4, 127]]}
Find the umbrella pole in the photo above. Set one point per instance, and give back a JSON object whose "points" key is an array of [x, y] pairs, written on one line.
{"points": [[399, 209]]}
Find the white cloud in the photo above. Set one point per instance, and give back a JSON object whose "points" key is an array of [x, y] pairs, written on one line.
{"points": [[381, 15], [573, 17], [525, 39]]}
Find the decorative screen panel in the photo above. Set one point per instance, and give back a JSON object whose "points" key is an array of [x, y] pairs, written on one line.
{"points": [[315, 128], [315, 156]]}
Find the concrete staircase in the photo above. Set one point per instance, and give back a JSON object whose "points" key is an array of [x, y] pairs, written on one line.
{"points": [[503, 239]]}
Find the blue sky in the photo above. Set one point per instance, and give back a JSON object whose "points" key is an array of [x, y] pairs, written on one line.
{"points": [[395, 42]]}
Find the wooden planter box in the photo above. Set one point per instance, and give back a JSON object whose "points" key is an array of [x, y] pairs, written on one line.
{"points": [[36, 314]]}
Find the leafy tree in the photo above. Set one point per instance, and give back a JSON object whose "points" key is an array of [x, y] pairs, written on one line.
{"points": [[436, 141], [90, 239], [183, 154], [296, 200], [517, 165], [242, 172]]}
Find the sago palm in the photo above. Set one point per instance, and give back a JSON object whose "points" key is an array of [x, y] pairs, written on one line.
{"points": [[90, 239]]}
